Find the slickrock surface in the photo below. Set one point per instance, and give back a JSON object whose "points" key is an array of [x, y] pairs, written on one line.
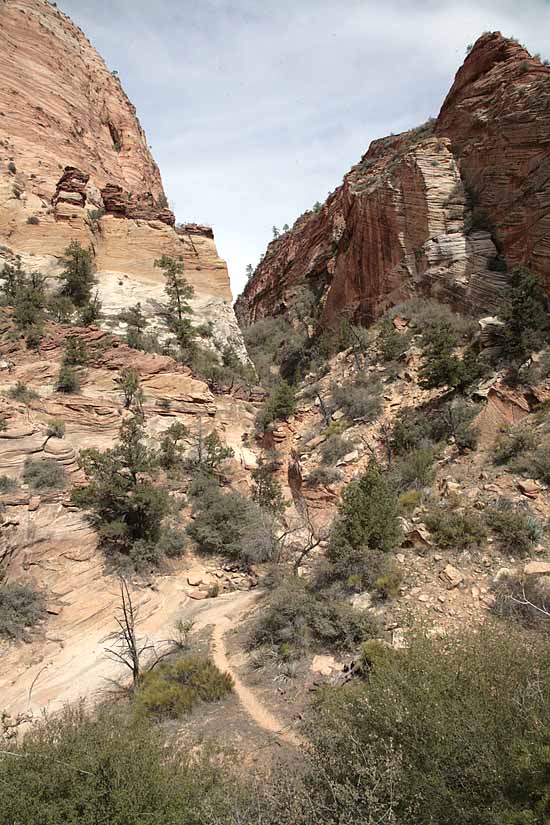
{"points": [[75, 161], [429, 208]]}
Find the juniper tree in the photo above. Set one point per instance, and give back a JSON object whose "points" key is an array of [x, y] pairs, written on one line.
{"points": [[78, 276]]}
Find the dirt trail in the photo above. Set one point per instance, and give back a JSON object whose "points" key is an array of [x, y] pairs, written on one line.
{"points": [[259, 713]]}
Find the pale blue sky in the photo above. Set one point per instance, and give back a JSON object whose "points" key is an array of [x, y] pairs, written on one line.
{"points": [[255, 109]]}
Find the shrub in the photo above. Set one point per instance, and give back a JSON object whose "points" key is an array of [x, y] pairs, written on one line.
{"points": [[456, 530], [77, 277], [44, 474], [173, 688], [68, 380], [454, 420], [20, 392], [512, 443], [280, 405], [520, 599], [7, 484], [367, 524], [391, 345], [451, 730], [323, 475], [441, 366], [91, 311], [335, 448], [172, 542], [128, 382], [56, 428], [76, 352], [220, 521], [12, 167], [416, 469], [359, 399], [172, 447], [541, 462], [111, 767], [388, 580], [297, 619], [517, 528], [409, 432], [21, 607], [61, 308], [33, 220], [124, 504], [267, 491], [526, 325]]}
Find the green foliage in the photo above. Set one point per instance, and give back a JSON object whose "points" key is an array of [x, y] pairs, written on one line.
{"points": [[452, 730], [77, 277], [270, 342], [391, 344], [21, 607], [174, 687], [7, 484], [68, 379], [56, 428], [25, 292], [361, 398], [415, 469], [526, 317], [280, 405], [20, 392], [519, 599], [441, 366], [297, 619], [44, 474], [61, 308], [512, 443], [410, 431], [124, 503], [323, 475], [172, 542], [91, 311], [454, 420], [541, 462], [179, 293], [112, 768], [335, 448], [517, 529], [267, 491], [209, 453], [367, 525], [136, 322], [76, 351], [172, 447], [130, 386], [454, 529], [220, 521]]}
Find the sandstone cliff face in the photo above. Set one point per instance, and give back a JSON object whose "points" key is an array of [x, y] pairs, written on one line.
{"points": [[437, 209], [75, 161]]}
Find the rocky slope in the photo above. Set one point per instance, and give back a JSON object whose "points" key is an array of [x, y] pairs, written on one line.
{"points": [[75, 165], [439, 209]]}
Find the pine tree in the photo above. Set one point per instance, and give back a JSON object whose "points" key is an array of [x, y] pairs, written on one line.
{"points": [[78, 276], [137, 324]]}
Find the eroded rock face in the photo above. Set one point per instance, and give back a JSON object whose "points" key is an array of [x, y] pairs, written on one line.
{"points": [[75, 165], [437, 209]]}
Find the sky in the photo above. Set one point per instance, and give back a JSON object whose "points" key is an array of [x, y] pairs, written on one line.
{"points": [[255, 109]]}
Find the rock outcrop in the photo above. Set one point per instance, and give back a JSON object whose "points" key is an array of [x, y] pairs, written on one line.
{"points": [[440, 209], [75, 165]]}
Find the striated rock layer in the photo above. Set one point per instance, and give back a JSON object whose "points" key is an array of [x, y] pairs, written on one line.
{"points": [[75, 164], [440, 209]]}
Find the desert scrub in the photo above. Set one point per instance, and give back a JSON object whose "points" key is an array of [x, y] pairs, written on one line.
{"points": [[415, 470], [56, 428], [20, 392], [21, 607], [513, 443], [173, 688], [457, 530], [7, 484], [44, 474], [517, 529], [335, 448], [361, 398], [323, 475], [297, 619]]}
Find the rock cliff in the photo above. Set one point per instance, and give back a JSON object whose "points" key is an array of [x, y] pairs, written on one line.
{"points": [[75, 164], [442, 209]]}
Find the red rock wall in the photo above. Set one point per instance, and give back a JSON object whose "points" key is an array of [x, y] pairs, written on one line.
{"points": [[403, 221]]}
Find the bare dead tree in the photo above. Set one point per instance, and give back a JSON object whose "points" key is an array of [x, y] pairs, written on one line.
{"points": [[541, 609], [127, 649]]}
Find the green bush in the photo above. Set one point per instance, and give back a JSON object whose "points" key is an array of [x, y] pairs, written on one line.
{"points": [[518, 530], [297, 619], [77, 277], [76, 352], [21, 607], [44, 474], [56, 428], [221, 521], [446, 731], [335, 448], [367, 525], [7, 484], [441, 366], [81, 769], [520, 600], [172, 542], [68, 380], [323, 475], [267, 492], [541, 462], [361, 398], [410, 431], [172, 447], [457, 530], [173, 688], [415, 469], [391, 344], [280, 405], [454, 420], [526, 315], [512, 443], [20, 392]]}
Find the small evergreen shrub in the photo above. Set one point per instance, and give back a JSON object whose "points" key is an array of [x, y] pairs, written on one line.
{"points": [[68, 380], [44, 474], [323, 475], [517, 529], [20, 392], [7, 484], [512, 443], [56, 428], [361, 398], [456, 530], [335, 448], [173, 688], [220, 521], [416, 469], [172, 542], [280, 405], [21, 607]]}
